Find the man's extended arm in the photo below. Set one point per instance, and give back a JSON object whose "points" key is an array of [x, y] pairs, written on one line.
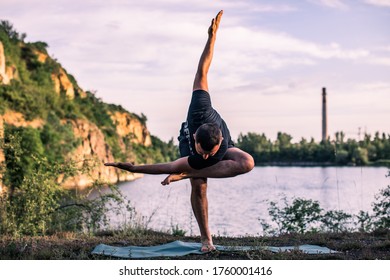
{"points": [[235, 162], [178, 166]]}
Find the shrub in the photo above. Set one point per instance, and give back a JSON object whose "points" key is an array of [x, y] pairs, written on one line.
{"points": [[306, 215], [335, 221], [35, 201], [364, 221], [381, 209], [298, 217], [20, 146]]}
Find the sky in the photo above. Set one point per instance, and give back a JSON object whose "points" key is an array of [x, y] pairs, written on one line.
{"points": [[271, 60]]}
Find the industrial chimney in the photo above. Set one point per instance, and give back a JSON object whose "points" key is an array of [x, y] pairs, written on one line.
{"points": [[324, 116]]}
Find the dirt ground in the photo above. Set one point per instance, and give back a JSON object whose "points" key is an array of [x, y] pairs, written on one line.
{"points": [[71, 246]]}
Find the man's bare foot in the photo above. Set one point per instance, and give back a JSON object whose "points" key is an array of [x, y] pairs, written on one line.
{"points": [[215, 24], [173, 178], [207, 247]]}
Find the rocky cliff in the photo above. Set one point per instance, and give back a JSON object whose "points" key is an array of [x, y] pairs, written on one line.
{"points": [[98, 136], [94, 151], [7, 73]]}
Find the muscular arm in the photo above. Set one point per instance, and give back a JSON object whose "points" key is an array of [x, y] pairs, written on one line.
{"points": [[235, 162], [178, 166]]}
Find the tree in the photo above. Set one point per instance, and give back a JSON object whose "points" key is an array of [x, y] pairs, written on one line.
{"points": [[19, 146], [8, 28], [257, 145]]}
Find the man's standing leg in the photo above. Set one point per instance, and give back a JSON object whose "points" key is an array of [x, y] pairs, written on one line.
{"points": [[199, 204]]}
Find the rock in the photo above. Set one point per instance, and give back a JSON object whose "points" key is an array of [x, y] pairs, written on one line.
{"points": [[93, 150], [63, 84], [17, 119], [7, 73], [4, 79], [92, 153], [40, 56], [127, 125]]}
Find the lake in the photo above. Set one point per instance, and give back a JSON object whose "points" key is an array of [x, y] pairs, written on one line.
{"points": [[236, 204]]}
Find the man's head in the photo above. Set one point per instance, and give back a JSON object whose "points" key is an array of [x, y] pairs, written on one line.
{"points": [[208, 138]]}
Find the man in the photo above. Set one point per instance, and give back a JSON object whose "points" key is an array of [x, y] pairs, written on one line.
{"points": [[206, 148]]}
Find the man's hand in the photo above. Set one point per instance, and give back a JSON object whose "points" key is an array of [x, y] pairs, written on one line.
{"points": [[121, 165]]}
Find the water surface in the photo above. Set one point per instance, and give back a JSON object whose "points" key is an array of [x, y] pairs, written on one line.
{"points": [[236, 204]]}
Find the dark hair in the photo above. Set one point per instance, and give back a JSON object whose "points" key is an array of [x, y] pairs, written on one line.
{"points": [[208, 135]]}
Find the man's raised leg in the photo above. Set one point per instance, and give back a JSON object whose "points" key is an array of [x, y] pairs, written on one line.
{"points": [[200, 81], [199, 204]]}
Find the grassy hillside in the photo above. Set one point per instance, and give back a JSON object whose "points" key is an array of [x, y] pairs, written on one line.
{"points": [[53, 135], [32, 91]]}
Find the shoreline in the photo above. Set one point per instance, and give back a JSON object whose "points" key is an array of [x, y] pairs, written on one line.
{"points": [[319, 164]]}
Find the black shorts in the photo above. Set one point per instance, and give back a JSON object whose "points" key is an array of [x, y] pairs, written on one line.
{"points": [[185, 141]]}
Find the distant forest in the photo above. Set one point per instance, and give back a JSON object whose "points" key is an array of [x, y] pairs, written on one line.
{"points": [[372, 150]]}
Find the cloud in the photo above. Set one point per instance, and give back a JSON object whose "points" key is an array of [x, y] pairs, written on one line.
{"points": [[335, 4], [378, 60], [277, 50], [379, 55], [381, 3], [143, 55], [258, 7], [375, 87]]}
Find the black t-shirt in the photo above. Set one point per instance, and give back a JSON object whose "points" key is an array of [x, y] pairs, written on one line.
{"points": [[201, 112]]}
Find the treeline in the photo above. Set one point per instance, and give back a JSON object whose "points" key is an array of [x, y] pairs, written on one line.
{"points": [[372, 150]]}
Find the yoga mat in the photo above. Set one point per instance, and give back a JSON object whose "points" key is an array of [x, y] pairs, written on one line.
{"points": [[180, 248]]}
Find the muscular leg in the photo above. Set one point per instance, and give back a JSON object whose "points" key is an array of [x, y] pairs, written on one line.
{"points": [[200, 81], [234, 163], [199, 204]]}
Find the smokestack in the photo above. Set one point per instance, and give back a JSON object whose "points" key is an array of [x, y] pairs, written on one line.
{"points": [[324, 116]]}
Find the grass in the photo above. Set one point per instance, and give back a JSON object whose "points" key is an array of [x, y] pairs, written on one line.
{"points": [[72, 246]]}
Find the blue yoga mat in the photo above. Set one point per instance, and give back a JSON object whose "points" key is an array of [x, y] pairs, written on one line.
{"points": [[180, 248]]}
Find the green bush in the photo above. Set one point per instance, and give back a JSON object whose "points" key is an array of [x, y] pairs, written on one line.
{"points": [[381, 209], [364, 221], [35, 202], [20, 146], [58, 139], [298, 217], [335, 221], [32, 203]]}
